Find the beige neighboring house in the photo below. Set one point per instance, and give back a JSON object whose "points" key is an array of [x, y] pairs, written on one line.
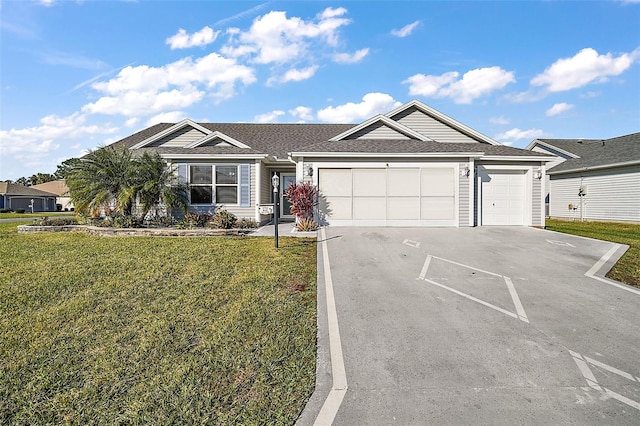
{"points": [[61, 190], [15, 196]]}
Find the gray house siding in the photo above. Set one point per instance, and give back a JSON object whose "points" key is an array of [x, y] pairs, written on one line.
{"points": [[377, 131], [180, 138], [430, 127], [537, 217], [612, 194], [464, 197]]}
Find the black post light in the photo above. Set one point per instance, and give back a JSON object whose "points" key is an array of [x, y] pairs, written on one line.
{"points": [[275, 181]]}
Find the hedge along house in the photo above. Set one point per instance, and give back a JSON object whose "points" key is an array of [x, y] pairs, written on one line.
{"points": [[14, 196], [411, 167], [593, 179]]}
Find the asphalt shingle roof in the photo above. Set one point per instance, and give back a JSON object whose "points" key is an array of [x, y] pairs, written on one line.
{"points": [[596, 152], [17, 189], [278, 139]]}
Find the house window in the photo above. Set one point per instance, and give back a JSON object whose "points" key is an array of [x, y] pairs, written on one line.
{"points": [[209, 182], [227, 184]]}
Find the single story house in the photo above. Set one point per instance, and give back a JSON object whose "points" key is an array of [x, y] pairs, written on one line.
{"points": [[58, 187], [593, 179], [15, 196], [413, 166]]}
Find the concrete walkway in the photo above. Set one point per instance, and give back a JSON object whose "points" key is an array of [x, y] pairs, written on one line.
{"points": [[495, 325], [286, 229]]}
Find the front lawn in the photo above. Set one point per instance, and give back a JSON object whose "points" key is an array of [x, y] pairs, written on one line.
{"points": [[160, 330], [627, 270], [14, 215]]}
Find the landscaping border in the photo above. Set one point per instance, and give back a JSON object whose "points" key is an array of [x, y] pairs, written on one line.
{"points": [[129, 232]]}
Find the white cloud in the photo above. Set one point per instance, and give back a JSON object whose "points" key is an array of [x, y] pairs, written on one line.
{"points": [[350, 58], [182, 40], [46, 2], [302, 112], [131, 122], [166, 117], [268, 117], [557, 109], [499, 120], [299, 74], [144, 90], [517, 134], [473, 84], [585, 67], [372, 104], [275, 38], [590, 94], [406, 30]]}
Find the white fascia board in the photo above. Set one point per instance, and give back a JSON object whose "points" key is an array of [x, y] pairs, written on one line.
{"points": [[347, 155], [213, 156], [586, 169], [217, 135], [515, 158], [386, 121], [444, 118], [550, 146], [184, 123]]}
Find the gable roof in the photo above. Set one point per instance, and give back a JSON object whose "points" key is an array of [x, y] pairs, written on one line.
{"points": [[412, 134], [443, 118], [596, 153], [7, 188], [57, 187]]}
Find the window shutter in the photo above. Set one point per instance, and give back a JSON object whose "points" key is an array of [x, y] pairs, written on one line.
{"points": [[245, 185]]}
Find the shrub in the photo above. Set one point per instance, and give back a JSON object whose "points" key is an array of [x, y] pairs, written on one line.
{"points": [[196, 220], [20, 210], [303, 198], [224, 220], [58, 221], [125, 221], [306, 225], [5, 210], [245, 223]]}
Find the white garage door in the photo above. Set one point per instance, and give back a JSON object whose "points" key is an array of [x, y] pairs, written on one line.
{"points": [[388, 197], [503, 195]]}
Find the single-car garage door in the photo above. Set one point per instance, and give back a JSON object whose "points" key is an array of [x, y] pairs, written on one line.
{"points": [[423, 196], [503, 194]]}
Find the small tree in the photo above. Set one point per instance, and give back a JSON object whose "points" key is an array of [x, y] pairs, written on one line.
{"points": [[303, 198], [155, 183]]}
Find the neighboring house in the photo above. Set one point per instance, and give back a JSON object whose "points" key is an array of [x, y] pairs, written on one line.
{"points": [[411, 167], [593, 179], [15, 196], [61, 190]]}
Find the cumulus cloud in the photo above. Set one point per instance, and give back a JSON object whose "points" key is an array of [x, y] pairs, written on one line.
{"points": [[295, 75], [585, 67], [144, 90], [557, 109], [371, 104], [517, 134], [499, 120], [275, 38], [166, 117], [183, 40], [406, 30], [473, 84], [302, 112], [268, 117], [350, 58]]}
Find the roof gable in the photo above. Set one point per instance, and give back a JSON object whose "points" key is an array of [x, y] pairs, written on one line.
{"points": [[369, 128], [177, 129], [436, 125], [221, 138]]}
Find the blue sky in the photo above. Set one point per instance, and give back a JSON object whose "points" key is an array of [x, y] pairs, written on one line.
{"points": [[77, 74]]}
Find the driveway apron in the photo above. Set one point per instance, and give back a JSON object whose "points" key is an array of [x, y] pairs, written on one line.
{"points": [[479, 326]]}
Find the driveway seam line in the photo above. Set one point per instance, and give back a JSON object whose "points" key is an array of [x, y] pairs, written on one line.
{"points": [[591, 273]]}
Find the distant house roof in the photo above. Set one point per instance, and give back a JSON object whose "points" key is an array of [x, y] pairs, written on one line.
{"points": [[596, 153], [17, 189], [57, 187]]}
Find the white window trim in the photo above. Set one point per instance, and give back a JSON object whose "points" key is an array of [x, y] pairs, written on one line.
{"points": [[213, 185]]}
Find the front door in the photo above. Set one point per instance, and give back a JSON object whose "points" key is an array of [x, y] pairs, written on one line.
{"points": [[285, 207]]}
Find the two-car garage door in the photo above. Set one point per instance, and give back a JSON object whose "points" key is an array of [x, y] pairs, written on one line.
{"points": [[424, 196]]}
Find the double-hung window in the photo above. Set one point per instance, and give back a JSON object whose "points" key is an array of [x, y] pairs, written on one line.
{"points": [[213, 182]]}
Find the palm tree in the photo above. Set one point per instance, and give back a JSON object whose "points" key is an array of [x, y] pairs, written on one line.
{"points": [[103, 180], [156, 183]]}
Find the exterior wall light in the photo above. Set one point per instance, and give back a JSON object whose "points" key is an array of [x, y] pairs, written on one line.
{"points": [[310, 171], [464, 171], [537, 173]]}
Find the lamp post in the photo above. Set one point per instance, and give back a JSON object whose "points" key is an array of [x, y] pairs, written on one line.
{"points": [[31, 205], [275, 181]]}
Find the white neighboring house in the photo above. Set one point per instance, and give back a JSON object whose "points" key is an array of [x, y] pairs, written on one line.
{"points": [[593, 179]]}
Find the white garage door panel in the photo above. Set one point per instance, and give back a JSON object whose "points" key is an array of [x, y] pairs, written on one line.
{"points": [[438, 208], [369, 183], [503, 197], [410, 196], [369, 208], [403, 208]]}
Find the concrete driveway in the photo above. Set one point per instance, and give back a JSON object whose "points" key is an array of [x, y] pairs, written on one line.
{"points": [[494, 325]]}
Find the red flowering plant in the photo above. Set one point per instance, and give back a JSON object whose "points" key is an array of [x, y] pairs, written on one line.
{"points": [[303, 198]]}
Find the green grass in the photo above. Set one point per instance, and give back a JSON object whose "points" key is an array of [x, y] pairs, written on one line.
{"points": [[627, 269], [131, 330], [14, 215]]}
